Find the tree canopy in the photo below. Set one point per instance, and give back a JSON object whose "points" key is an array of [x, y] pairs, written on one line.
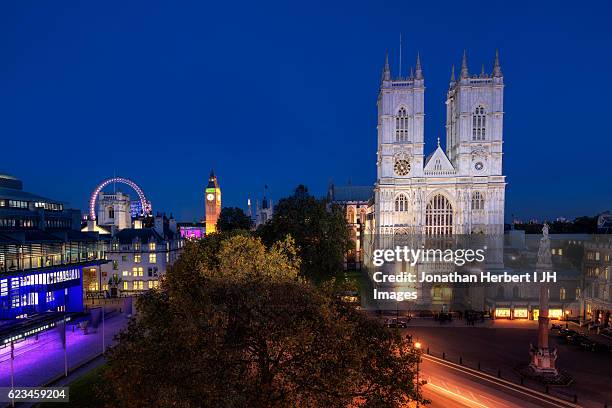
{"points": [[320, 232], [234, 325], [233, 218]]}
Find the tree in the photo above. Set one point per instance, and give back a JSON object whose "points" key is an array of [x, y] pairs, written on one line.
{"points": [[233, 218], [233, 325], [320, 232]]}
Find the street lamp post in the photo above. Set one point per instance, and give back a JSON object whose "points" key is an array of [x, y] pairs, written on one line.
{"points": [[417, 347]]}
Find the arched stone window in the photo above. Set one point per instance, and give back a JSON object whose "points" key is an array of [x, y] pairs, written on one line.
{"points": [[350, 215], [477, 201], [111, 212], [401, 203], [401, 125], [479, 124], [439, 216]]}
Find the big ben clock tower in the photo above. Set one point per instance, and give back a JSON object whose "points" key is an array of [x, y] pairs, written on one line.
{"points": [[213, 203]]}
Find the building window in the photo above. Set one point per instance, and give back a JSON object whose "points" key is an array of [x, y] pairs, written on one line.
{"points": [[562, 293], [137, 246], [152, 258], [111, 212], [137, 257], [477, 201], [350, 215], [401, 125], [577, 293], [125, 273], [439, 216], [137, 271], [151, 246], [123, 258], [401, 203], [125, 285], [115, 265], [479, 124]]}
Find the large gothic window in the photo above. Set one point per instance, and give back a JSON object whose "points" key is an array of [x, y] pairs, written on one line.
{"points": [[401, 203], [477, 201], [479, 124], [401, 125], [439, 216]]}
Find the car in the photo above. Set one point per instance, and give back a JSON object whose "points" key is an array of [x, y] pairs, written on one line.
{"points": [[396, 323], [563, 333], [576, 339]]}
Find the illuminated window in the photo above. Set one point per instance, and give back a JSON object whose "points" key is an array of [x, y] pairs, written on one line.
{"points": [[401, 125], [439, 216], [137, 246], [150, 284], [115, 265], [401, 203], [562, 293], [597, 256], [152, 258], [137, 257], [137, 271], [125, 285], [477, 201], [479, 124], [560, 251], [151, 246], [155, 284], [577, 293], [125, 273]]}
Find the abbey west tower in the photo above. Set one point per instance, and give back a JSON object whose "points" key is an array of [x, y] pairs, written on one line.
{"points": [[459, 190]]}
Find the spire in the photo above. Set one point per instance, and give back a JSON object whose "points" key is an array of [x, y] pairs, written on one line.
{"points": [[452, 79], [411, 73], [496, 68], [419, 71], [386, 70], [482, 73], [438, 141], [212, 173], [464, 66]]}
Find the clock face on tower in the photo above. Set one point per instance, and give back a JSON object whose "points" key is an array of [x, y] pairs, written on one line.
{"points": [[401, 167], [210, 196]]}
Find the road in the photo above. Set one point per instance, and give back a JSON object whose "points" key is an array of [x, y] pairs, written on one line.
{"points": [[450, 385]]}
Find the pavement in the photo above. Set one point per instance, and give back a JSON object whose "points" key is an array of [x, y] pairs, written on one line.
{"points": [[42, 361]]}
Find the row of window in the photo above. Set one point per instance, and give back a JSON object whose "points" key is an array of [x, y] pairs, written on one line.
{"points": [[43, 278], [140, 285], [596, 256], [33, 223], [137, 246], [138, 259], [479, 122], [478, 201], [139, 271], [596, 272]]}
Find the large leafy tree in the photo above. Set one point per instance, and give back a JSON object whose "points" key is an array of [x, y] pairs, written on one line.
{"points": [[233, 218], [320, 232], [234, 326]]}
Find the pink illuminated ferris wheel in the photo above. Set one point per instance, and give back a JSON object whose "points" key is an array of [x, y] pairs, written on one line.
{"points": [[146, 204]]}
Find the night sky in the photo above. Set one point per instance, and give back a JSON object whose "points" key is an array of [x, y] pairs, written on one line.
{"points": [[285, 93]]}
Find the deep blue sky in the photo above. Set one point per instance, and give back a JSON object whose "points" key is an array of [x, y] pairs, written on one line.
{"points": [[285, 93]]}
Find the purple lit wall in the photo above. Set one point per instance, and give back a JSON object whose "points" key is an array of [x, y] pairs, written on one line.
{"points": [[192, 232]]}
